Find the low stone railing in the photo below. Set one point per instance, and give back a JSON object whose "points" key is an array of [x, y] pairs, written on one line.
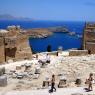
{"points": [[78, 52]]}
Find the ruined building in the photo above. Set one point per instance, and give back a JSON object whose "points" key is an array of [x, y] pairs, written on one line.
{"points": [[89, 38], [14, 44]]}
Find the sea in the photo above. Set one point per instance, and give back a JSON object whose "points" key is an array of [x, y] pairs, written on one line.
{"points": [[57, 40]]}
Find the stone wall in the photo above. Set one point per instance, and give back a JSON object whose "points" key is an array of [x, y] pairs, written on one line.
{"points": [[78, 52], [21, 51], [91, 47], [11, 52], [16, 45], [1, 50], [1, 41], [2, 57], [90, 36]]}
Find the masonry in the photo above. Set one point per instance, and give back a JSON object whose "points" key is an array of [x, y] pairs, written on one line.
{"points": [[14, 44], [89, 38]]}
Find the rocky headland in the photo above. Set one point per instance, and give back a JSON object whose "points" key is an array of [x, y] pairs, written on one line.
{"points": [[45, 32], [38, 33], [58, 29]]}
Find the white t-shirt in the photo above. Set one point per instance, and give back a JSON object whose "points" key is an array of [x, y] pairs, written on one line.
{"points": [[48, 57]]}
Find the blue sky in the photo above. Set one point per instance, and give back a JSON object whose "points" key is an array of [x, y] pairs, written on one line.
{"points": [[50, 9]]}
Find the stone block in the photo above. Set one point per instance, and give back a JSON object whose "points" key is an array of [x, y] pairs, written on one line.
{"points": [[78, 82], [2, 70], [3, 81], [18, 67], [78, 52]]}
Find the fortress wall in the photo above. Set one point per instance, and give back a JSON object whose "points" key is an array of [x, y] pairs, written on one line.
{"points": [[91, 46], [2, 57], [90, 36]]}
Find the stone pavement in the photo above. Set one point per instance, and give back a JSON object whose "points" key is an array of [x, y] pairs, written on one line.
{"points": [[61, 91]]}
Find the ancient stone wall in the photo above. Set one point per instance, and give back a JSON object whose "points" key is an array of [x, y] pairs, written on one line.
{"points": [[1, 41], [21, 51], [89, 38], [91, 47], [1, 50], [2, 57], [14, 45], [78, 52]]}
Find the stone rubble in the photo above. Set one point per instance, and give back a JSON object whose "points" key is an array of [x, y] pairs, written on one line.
{"points": [[30, 75]]}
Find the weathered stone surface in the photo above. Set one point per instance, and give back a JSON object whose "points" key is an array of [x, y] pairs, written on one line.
{"points": [[18, 67], [2, 56], [14, 45], [3, 80], [90, 46], [89, 37], [2, 70], [77, 94], [20, 75], [78, 52]]}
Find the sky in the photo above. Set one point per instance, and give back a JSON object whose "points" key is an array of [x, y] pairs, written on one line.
{"points": [[75, 10]]}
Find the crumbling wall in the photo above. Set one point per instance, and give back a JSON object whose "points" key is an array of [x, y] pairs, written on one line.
{"points": [[78, 52], [91, 47], [89, 38], [2, 57], [14, 45], [1, 51]]}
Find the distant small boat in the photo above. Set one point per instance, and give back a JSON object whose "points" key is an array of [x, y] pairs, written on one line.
{"points": [[79, 36], [72, 33]]}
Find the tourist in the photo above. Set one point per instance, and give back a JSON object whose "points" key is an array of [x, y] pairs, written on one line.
{"points": [[52, 84], [37, 56], [57, 53], [47, 58], [90, 80]]}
